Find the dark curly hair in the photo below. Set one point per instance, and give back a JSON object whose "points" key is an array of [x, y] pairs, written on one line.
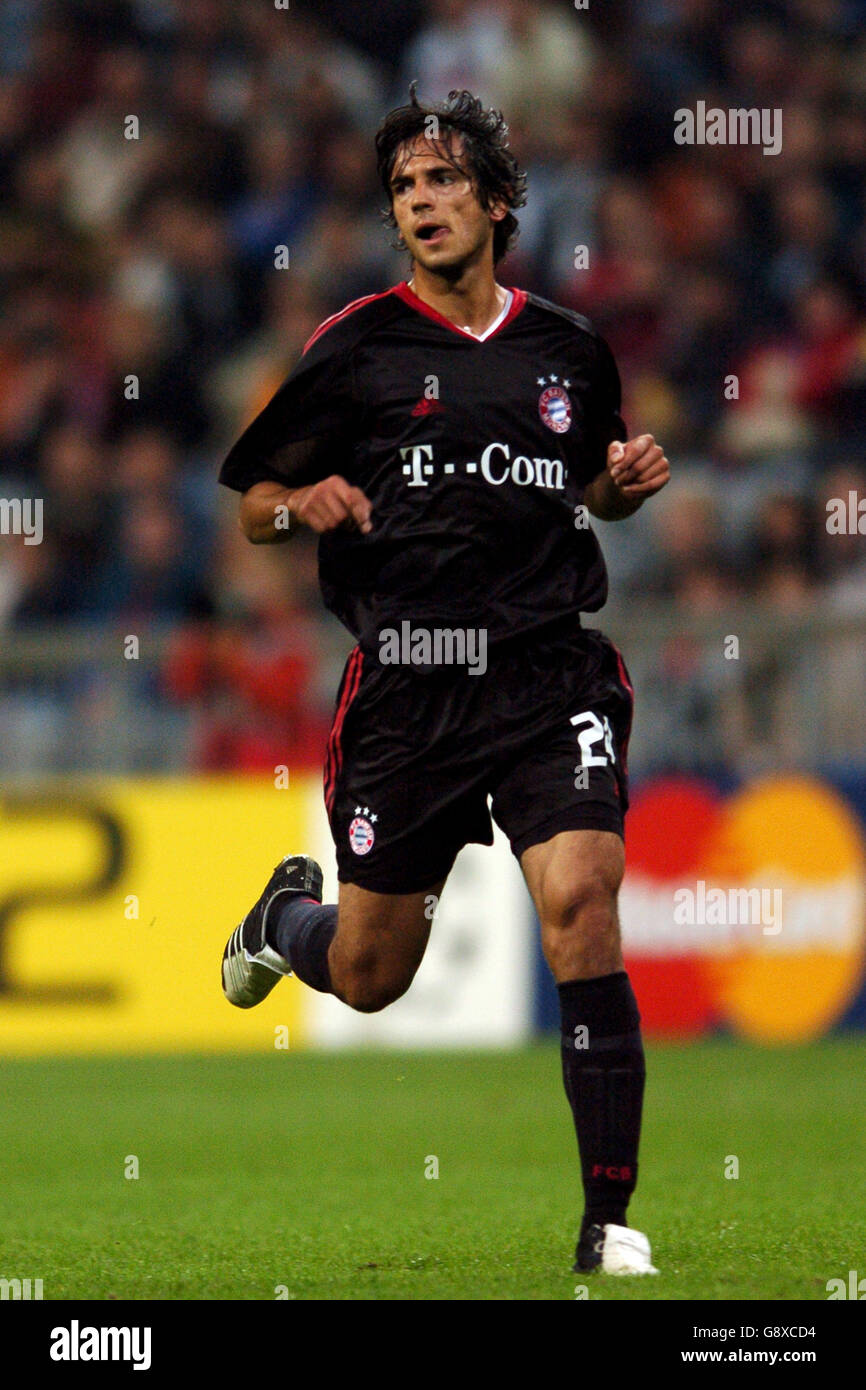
{"points": [[488, 161]]}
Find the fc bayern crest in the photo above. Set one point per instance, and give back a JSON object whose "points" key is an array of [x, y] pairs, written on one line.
{"points": [[554, 407], [361, 835]]}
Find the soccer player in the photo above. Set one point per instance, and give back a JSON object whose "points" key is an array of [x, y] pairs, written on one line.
{"points": [[447, 439]]}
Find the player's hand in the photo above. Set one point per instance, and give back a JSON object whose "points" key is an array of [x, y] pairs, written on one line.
{"points": [[639, 468], [331, 504]]}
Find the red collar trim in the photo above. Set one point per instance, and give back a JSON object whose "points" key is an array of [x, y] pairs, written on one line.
{"points": [[518, 301], [343, 313]]}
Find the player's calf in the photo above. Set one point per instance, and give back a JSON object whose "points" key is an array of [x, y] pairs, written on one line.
{"points": [[574, 880], [365, 951], [369, 983], [380, 943]]}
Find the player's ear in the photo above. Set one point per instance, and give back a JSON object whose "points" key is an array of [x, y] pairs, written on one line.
{"points": [[497, 210]]}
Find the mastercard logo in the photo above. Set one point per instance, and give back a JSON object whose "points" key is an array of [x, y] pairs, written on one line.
{"points": [[745, 912]]}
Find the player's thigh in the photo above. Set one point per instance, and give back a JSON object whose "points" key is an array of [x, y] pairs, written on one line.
{"points": [[574, 879], [382, 934]]}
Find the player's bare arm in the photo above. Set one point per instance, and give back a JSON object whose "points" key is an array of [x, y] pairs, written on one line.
{"points": [[323, 506], [635, 471]]}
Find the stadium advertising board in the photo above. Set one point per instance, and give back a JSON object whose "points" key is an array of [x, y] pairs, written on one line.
{"points": [[116, 898], [745, 912], [114, 902]]}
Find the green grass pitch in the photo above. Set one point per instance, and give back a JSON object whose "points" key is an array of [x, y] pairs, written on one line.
{"points": [[307, 1171]]}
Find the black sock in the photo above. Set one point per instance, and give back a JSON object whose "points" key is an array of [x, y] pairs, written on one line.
{"points": [[604, 1072], [302, 930]]}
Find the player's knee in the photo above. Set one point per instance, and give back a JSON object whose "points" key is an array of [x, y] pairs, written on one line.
{"points": [[586, 903], [580, 930], [368, 996], [368, 984]]}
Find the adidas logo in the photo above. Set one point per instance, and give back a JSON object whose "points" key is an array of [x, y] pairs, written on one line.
{"points": [[428, 407]]}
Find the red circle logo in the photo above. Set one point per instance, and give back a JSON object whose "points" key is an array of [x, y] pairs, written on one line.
{"points": [[747, 912]]}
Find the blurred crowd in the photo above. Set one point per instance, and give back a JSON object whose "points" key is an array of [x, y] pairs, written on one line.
{"points": [[155, 154]]}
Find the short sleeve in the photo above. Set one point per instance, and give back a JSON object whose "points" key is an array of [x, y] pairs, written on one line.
{"points": [[305, 429], [608, 422]]}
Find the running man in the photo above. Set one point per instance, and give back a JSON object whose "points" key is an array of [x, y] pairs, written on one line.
{"points": [[447, 439]]}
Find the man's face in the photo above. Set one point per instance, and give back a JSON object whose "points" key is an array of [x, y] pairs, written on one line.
{"points": [[437, 209]]}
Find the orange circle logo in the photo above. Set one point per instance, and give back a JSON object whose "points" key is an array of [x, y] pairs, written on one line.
{"points": [[747, 912]]}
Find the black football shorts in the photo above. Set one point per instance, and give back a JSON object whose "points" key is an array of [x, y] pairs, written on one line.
{"points": [[413, 757]]}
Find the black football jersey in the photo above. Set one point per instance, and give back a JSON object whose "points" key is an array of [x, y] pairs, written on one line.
{"points": [[474, 454]]}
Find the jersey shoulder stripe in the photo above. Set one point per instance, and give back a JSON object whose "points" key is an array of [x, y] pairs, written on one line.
{"points": [[559, 309], [350, 310]]}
